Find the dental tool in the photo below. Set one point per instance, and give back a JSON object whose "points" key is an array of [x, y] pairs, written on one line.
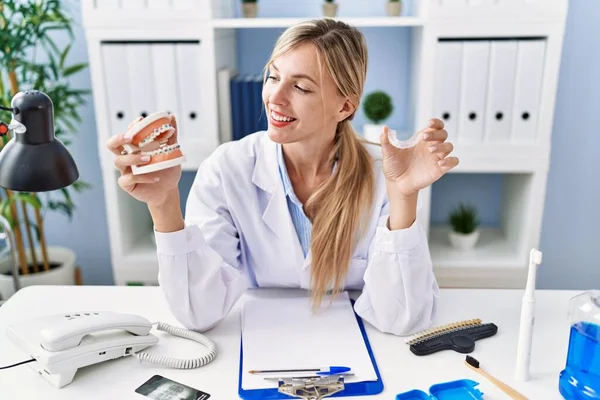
{"points": [[527, 319]]}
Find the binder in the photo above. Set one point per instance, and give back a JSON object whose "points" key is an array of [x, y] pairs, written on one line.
{"points": [[474, 80], [164, 79], [247, 105], [447, 85], [114, 62], [498, 114], [184, 4], [139, 64], [133, 4], [528, 89], [350, 389], [236, 110], [189, 86], [224, 97], [159, 4], [108, 4]]}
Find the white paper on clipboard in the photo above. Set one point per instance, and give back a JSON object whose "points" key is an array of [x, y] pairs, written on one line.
{"points": [[282, 332]]}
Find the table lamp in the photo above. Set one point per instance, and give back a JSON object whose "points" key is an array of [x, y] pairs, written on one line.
{"points": [[34, 160]]}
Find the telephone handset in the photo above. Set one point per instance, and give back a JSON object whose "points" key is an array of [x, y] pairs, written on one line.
{"points": [[62, 343], [67, 335]]}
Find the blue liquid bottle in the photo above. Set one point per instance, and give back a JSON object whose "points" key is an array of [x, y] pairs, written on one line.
{"points": [[580, 380]]}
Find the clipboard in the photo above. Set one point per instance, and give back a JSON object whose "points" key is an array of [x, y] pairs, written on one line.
{"points": [[350, 389]]}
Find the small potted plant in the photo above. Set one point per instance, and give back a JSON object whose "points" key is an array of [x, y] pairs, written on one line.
{"points": [[250, 8], [377, 107], [465, 227], [394, 8], [330, 8]]}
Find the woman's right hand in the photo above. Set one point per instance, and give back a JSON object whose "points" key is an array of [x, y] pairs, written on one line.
{"points": [[151, 188]]}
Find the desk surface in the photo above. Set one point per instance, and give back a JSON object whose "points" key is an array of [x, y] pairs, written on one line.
{"points": [[400, 369]]}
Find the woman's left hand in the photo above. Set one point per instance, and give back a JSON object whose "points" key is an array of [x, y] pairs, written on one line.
{"points": [[412, 169]]}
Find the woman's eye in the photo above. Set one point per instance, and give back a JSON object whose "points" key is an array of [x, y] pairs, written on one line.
{"points": [[301, 90]]}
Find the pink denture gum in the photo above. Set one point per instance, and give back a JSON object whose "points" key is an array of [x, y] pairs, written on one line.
{"points": [[150, 137]]}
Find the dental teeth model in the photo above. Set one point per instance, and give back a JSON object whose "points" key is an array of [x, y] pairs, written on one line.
{"points": [[150, 137]]}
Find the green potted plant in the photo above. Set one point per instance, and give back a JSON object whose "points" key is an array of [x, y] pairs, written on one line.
{"points": [[250, 8], [377, 107], [394, 8], [330, 8], [464, 222], [26, 31]]}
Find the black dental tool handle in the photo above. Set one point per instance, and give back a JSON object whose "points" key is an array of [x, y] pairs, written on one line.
{"points": [[461, 341]]}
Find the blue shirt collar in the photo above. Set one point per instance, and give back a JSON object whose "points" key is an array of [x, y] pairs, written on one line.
{"points": [[285, 178]]}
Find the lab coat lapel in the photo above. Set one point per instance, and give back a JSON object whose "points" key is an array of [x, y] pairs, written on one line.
{"points": [[275, 214]]}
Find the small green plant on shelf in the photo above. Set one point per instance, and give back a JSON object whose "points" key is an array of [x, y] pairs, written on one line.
{"points": [[378, 106], [464, 221]]}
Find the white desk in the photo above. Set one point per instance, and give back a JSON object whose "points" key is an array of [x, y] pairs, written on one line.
{"points": [[400, 369]]}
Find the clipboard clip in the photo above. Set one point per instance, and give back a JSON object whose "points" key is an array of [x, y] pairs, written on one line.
{"points": [[311, 388]]}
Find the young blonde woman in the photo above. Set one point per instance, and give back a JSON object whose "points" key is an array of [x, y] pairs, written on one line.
{"points": [[306, 204]]}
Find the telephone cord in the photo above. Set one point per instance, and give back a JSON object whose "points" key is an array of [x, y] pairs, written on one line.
{"points": [[176, 362]]}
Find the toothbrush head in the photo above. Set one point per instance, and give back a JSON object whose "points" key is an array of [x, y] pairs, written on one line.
{"points": [[535, 257]]}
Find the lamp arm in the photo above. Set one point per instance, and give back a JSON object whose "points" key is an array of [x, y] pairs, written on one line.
{"points": [[8, 233], [14, 110]]}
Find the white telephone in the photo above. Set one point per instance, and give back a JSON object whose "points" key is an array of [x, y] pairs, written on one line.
{"points": [[62, 343]]}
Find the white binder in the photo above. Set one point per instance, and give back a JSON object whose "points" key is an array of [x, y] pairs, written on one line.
{"points": [[530, 69], [139, 63], [134, 4], [108, 4], [159, 4], [184, 4], [188, 74], [447, 85], [114, 63], [503, 62], [474, 80], [164, 79]]}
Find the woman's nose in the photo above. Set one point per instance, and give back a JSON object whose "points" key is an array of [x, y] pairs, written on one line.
{"points": [[277, 95]]}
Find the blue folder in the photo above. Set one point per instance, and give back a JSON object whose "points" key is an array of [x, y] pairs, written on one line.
{"points": [[350, 389]]}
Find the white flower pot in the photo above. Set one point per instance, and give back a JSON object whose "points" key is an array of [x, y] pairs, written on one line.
{"points": [[250, 10], [372, 132], [394, 8], [64, 274], [330, 9], [463, 241]]}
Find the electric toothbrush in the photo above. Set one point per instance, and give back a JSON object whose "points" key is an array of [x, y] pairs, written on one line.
{"points": [[527, 318]]}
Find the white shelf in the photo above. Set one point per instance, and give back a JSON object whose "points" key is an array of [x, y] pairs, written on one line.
{"points": [[493, 249], [207, 28], [286, 22]]}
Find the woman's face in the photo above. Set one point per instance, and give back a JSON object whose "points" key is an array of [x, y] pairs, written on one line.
{"points": [[301, 99]]}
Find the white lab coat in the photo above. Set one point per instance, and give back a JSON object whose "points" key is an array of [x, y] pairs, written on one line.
{"points": [[239, 234]]}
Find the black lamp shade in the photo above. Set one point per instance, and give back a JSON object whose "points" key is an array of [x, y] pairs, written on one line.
{"points": [[35, 161]]}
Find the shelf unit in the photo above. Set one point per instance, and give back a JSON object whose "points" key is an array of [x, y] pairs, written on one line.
{"points": [[201, 37]]}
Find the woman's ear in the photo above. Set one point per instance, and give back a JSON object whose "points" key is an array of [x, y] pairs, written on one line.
{"points": [[346, 110]]}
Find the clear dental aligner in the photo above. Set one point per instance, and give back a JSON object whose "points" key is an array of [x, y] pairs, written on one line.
{"points": [[403, 144]]}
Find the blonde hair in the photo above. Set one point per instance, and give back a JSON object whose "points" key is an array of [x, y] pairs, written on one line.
{"points": [[338, 207]]}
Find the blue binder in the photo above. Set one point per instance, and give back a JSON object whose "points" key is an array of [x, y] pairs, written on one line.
{"points": [[350, 389]]}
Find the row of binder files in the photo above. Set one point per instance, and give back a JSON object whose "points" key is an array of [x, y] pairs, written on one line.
{"points": [[489, 91], [247, 110]]}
